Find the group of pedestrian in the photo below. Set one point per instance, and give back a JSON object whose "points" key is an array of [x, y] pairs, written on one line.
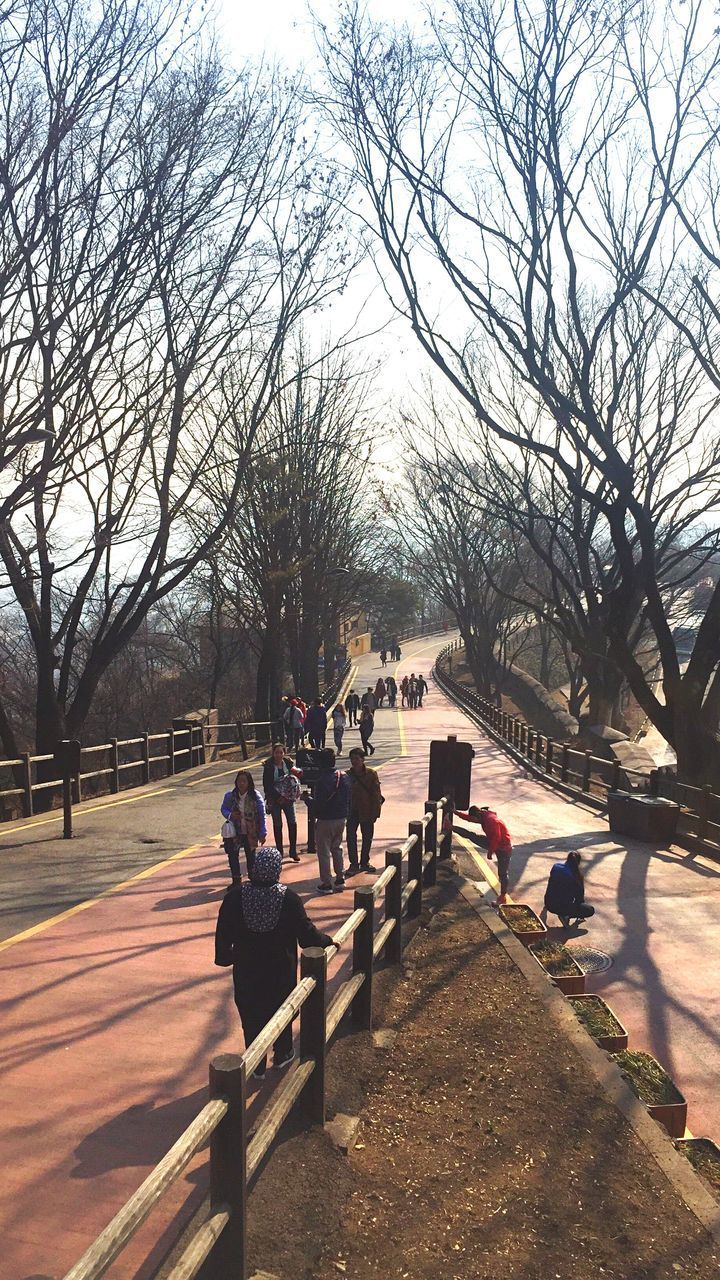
{"points": [[393, 653], [412, 690]]}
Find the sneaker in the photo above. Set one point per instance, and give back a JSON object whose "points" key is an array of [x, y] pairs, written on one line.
{"points": [[339, 882], [280, 1064], [368, 866], [353, 870], [325, 888], [294, 857], [259, 1073]]}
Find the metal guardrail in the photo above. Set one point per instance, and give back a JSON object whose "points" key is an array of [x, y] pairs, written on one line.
{"points": [[235, 1155], [580, 772]]}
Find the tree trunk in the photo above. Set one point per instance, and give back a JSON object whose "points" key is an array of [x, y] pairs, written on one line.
{"points": [[310, 641], [50, 722], [604, 683]]}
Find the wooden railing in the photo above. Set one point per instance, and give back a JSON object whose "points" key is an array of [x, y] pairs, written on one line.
{"points": [[580, 772], [123, 763], [235, 1155]]}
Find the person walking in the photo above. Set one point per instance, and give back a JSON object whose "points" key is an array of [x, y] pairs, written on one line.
{"points": [[244, 827], [366, 801], [380, 691], [259, 928], [287, 719], [352, 706], [368, 700], [391, 686], [316, 724], [398, 653], [412, 691], [422, 688], [294, 725], [404, 690], [331, 799], [565, 892], [282, 789], [338, 724], [499, 843], [383, 657], [367, 727]]}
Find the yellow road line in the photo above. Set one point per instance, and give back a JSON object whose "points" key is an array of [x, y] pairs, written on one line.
{"points": [[482, 865], [79, 811], [42, 925]]}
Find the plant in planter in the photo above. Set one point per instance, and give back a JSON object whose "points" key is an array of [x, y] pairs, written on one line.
{"points": [[557, 961], [653, 1086], [525, 924], [704, 1156], [600, 1021]]}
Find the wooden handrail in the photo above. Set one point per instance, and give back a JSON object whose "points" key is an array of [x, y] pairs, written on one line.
{"points": [[341, 1002], [288, 1010], [102, 1252], [277, 1109]]}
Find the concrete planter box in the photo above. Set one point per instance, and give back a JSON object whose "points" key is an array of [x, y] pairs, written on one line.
{"points": [[572, 982], [704, 1156], [513, 919], [650, 818], [612, 1043], [672, 1115]]}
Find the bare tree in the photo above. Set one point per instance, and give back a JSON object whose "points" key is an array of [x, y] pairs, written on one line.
{"points": [[300, 553], [163, 226], [508, 148]]}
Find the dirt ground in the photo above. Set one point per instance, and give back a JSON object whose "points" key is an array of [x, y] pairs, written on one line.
{"points": [[486, 1149]]}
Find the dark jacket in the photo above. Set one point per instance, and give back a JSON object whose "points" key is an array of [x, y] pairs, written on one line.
{"points": [[564, 890], [266, 960], [316, 722], [366, 797], [352, 702], [332, 795], [268, 781]]}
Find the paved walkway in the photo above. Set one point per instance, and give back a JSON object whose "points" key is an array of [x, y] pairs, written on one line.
{"points": [[111, 1012]]}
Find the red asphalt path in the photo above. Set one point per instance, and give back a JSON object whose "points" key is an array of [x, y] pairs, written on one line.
{"points": [[110, 1016]]}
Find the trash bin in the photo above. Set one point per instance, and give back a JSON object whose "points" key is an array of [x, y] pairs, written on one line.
{"points": [[450, 768], [651, 818]]}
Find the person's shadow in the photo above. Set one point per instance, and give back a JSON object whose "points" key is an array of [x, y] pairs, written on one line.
{"points": [[140, 1135]]}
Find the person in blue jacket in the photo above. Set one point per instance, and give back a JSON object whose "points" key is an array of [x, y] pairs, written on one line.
{"points": [[565, 892], [245, 809]]}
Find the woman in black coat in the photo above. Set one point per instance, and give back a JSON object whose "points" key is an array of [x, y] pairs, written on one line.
{"points": [[259, 928]]}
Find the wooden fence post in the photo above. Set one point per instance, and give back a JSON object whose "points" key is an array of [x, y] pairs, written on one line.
{"points": [[27, 784], [615, 780], [228, 1166], [393, 906], [115, 766], [241, 739], [704, 811], [430, 875], [145, 748], [564, 764], [415, 869], [529, 742], [445, 850], [538, 751], [313, 1034], [587, 771], [549, 744], [362, 960]]}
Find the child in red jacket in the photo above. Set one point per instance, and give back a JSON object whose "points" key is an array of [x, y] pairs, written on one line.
{"points": [[499, 842]]}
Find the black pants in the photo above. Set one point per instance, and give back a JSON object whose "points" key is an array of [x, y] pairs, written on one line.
{"points": [[352, 715], [366, 831], [255, 1009], [317, 740], [232, 849], [276, 813], [367, 744]]}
